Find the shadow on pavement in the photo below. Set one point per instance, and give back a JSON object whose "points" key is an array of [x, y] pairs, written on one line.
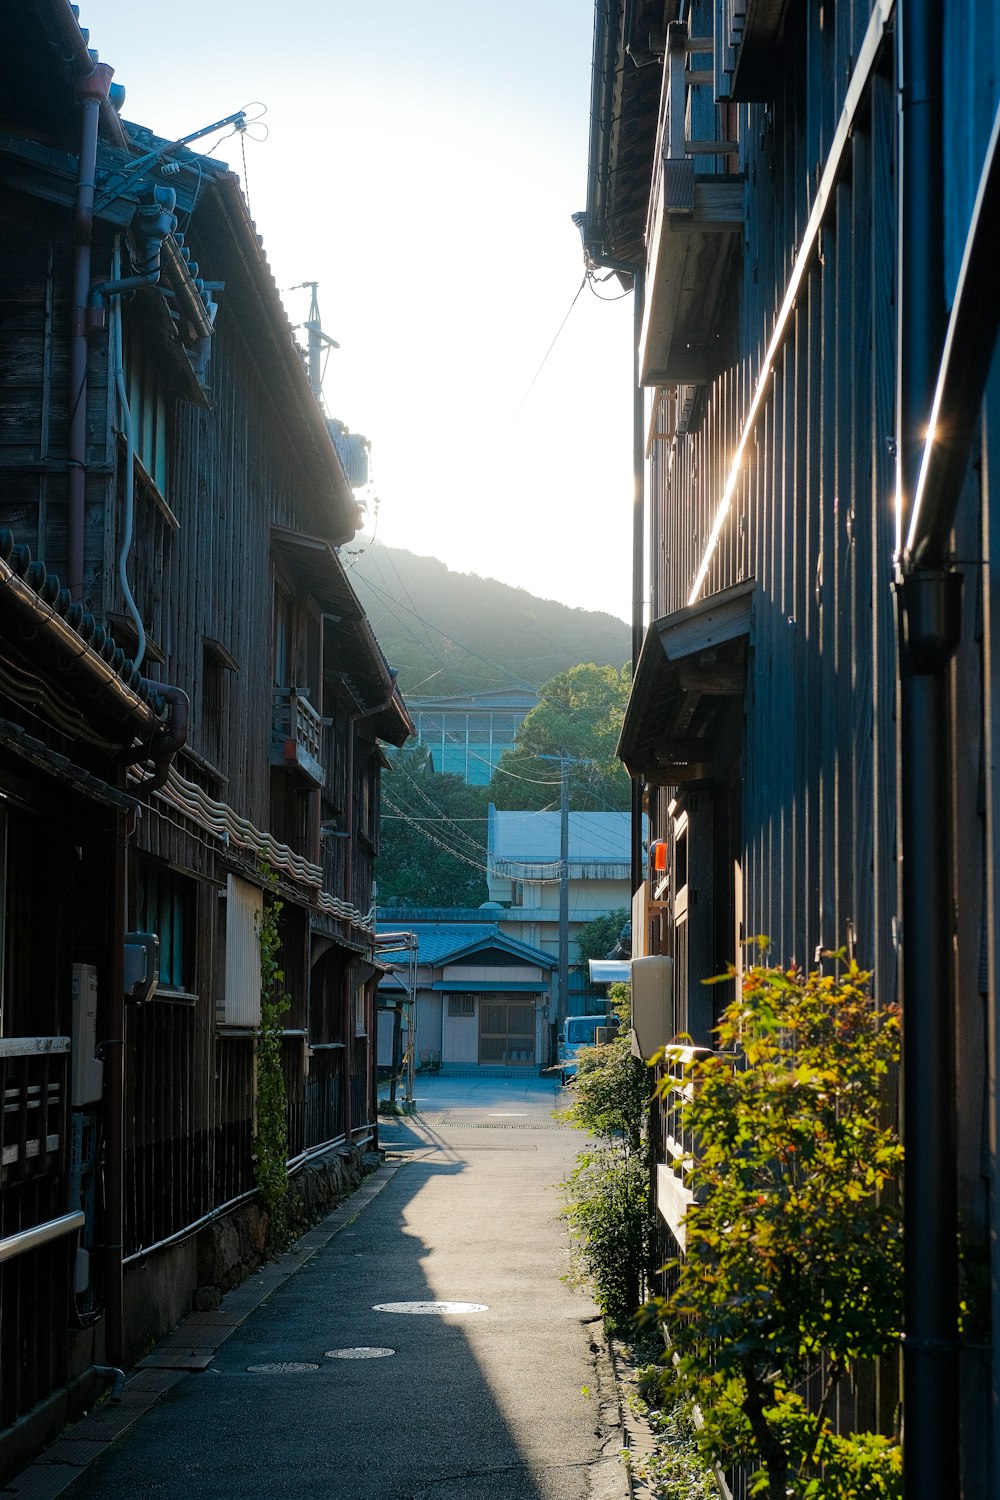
{"points": [[421, 1423]]}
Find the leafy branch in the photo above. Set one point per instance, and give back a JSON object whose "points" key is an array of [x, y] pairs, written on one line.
{"points": [[793, 1259], [270, 1146]]}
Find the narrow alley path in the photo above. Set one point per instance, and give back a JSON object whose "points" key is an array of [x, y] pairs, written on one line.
{"points": [[504, 1400]]}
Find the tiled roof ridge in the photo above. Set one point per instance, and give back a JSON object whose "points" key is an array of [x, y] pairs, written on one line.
{"points": [[95, 638]]}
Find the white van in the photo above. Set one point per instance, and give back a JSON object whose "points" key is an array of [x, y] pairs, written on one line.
{"points": [[577, 1032]]}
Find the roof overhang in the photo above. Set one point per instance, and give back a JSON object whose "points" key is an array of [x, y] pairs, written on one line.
{"points": [[610, 970], [684, 718], [313, 566], [625, 95], [53, 654], [501, 943]]}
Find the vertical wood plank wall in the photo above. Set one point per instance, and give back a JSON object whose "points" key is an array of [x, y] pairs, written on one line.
{"points": [[812, 509]]}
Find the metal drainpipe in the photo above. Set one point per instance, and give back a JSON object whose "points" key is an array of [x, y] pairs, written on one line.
{"points": [[929, 622], [180, 710], [638, 546], [92, 90], [114, 1105]]}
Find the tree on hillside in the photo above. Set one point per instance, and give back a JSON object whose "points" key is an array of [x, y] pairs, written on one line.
{"points": [[449, 632], [580, 713], [433, 843]]}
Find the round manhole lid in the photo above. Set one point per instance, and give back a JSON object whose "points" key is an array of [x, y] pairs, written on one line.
{"points": [[286, 1367], [363, 1351], [430, 1307]]}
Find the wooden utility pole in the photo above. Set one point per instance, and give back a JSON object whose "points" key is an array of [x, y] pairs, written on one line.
{"points": [[563, 1009]]}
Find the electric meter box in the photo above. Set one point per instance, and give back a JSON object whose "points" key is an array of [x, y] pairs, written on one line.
{"points": [[87, 1076], [652, 1004]]}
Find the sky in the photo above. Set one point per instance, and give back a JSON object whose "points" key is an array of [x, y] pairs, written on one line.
{"points": [[421, 163]]}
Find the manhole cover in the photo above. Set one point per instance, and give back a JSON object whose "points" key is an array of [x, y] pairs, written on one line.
{"points": [[430, 1307], [287, 1367], [363, 1352]]}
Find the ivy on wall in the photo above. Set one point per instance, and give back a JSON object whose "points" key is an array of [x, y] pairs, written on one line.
{"points": [[270, 1145]]}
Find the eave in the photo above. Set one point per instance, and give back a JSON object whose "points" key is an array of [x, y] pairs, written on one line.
{"points": [[683, 723], [315, 569]]}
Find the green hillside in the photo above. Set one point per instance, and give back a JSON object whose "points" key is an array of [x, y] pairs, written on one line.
{"points": [[449, 632]]}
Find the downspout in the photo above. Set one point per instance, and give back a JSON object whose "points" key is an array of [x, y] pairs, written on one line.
{"points": [[176, 737], [151, 225], [92, 90], [129, 434], [929, 624], [638, 545], [114, 1107]]}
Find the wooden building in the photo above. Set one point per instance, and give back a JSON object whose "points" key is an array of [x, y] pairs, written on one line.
{"points": [[800, 195], [191, 708]]}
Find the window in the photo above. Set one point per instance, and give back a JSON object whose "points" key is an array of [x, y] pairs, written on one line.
{"points": [[461, 1005], [517, 893], [284, 628], [165, 906], [217, 664], [148, 407]]}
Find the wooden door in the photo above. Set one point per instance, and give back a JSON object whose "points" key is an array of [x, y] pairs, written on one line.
{"points": [[507, 1031]]}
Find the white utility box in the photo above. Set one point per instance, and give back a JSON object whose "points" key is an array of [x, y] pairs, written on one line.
{"points": [[652, 1004]]}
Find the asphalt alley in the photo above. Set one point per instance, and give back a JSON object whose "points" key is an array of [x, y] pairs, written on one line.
{"points": [[317, 1394]]}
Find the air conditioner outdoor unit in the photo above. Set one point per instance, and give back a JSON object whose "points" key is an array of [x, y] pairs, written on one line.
{"points": [[652, 1004]]}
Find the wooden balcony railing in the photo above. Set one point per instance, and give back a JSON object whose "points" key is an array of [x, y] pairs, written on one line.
{"points": [[297, 738], [695, 204], [39, 1227]]}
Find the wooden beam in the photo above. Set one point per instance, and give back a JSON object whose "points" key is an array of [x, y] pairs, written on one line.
{"points": [[720, 682]]}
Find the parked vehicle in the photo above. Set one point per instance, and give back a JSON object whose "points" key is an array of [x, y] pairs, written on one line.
{"points": [[577, 1032]]}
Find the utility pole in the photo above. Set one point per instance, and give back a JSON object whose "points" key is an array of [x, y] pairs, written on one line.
{"points": [[563, 1008], [318, 340]]}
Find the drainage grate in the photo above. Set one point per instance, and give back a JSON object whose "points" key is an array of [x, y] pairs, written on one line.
{"points": [[430, 1307], [287, 1367], [178, 1359], [362, 1352]]}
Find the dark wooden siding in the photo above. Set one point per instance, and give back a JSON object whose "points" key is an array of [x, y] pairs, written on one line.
{"points": [[809, 514]]}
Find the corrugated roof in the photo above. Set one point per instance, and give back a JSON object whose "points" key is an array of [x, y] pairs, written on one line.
{"points": [[594, 838]]}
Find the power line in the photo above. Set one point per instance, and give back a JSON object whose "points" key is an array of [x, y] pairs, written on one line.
{"points": [[393, 604], [425, 833], [401, 770], [549, 350]]}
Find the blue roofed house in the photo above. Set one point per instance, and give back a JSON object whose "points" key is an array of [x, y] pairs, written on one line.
{"points": [[481, 999]]}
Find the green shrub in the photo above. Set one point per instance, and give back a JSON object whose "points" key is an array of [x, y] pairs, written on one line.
{"points": [[793, 1263], [608, 1192]]}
